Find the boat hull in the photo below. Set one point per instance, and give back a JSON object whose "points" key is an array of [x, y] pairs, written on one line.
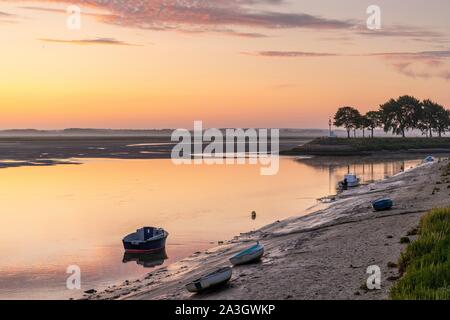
{"points": [[146, 246], [250, 255], [382, 204], [212, 280], [352, 184]]}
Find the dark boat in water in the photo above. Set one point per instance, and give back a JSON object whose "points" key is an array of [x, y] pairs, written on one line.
{"points": [[382, 204], [146, 239], [146, 259]]}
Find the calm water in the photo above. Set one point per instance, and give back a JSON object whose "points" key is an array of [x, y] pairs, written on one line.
{"points": [[53, 217]]}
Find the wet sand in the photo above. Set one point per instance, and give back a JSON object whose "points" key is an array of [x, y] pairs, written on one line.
{"points": [[323, 255], [35, 148], [48, 149]]}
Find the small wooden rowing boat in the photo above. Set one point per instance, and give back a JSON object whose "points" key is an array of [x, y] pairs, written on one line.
{"points": [[213, 279], [146, 239], [248, 255], [382, 204]]}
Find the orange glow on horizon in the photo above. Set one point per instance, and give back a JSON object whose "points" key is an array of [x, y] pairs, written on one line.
{"points": [[167, 79]]}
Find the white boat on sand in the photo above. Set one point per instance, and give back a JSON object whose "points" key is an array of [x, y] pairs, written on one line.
{"points": [[349, 181], [213, 279]]}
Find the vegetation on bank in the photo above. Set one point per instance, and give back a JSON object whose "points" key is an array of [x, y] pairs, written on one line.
{"points": [[425, 265], [389, 144], [358, 146], [397, 116]]}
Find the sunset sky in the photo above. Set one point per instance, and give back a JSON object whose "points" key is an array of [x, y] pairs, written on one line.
{"points": [[229, 63]]}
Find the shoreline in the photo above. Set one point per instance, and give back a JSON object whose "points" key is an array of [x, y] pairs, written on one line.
{"points": [[323, 255], [342, 147]]}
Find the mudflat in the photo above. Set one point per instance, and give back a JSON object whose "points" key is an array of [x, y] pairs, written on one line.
{"points": [[33, 150], [323, 255]]}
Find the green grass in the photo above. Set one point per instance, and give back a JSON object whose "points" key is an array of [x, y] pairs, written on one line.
{"points": [[425, 264], [358, 146], [390, 144]]}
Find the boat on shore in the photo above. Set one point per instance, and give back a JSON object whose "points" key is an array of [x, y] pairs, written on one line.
{"points": [[429, 159], [214, 279], [252, 254], [145, 239], [350, 181], [382, 204]]}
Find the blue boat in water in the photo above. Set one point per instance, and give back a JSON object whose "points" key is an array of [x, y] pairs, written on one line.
{"points": [[146, 239], [382, 204]]}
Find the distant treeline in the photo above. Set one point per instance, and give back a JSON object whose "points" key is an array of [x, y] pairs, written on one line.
{"points": [[397, 116]]}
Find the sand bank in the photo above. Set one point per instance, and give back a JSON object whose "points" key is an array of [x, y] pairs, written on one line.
{"points": [[323, 255]]}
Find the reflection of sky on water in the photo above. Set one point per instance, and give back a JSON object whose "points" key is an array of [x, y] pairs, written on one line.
{"points": [[57, 216]]}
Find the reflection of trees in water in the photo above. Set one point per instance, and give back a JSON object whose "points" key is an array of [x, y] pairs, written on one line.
{"points": [[368, 172], [368, 169]]}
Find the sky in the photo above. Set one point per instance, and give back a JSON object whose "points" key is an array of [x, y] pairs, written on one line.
{"points": [[229, 63]]}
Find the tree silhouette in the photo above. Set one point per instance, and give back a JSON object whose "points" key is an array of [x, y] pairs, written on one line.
{"points": [[347, 117], [373, 119], [443, 121], [398, 116], [427, 119], [401, 115]]}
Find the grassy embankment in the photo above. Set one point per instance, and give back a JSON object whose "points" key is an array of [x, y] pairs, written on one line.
{"points": [[355, 146], [425, 264]]}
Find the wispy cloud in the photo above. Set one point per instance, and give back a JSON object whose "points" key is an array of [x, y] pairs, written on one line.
{"points": [[424, 64], [97, 41], [225, 31], [229, 17], [188, 14], [7, 18], [400, 31], [282, 86], [437, 54], [421, 64], [289, 54]]}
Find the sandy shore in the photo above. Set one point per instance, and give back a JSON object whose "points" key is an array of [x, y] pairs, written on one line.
{"points": [[323, 255]]}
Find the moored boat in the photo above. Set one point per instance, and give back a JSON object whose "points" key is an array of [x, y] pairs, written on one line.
{"points": [[252, 254], [211, 280], [146, 239], [349, 181], [382, 204]]}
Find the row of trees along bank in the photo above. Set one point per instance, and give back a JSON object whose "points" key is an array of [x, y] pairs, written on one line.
{"points": [[397, 116]]}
